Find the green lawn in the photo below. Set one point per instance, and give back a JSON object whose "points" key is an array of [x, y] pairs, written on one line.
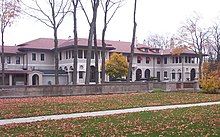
{"points": [[187, 122], [24, 107]]}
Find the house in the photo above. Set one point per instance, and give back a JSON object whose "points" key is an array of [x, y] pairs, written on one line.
{"points": [[32, 62]]}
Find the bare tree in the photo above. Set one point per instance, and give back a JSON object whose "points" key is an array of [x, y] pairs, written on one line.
{"points": [[95, 5], [132, 43], [75, 51], [216, 40], [10, 9], [196, 37], [107, 6], [158, 41], [51, 13]]}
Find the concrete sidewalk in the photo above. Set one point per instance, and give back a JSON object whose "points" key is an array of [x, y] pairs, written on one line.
{"points": [[101, 113]]}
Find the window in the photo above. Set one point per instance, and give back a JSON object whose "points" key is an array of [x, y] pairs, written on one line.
{"points": [[165, 60], [139, 59], [85, 54], [173, 60], [42, 57], [92, 55], [147, 60], [69, 54], [34, 57], [60, 55], [173, 74], [177, 59], [18, 60], [165, 74], [158, 76], [158, 60], [8, 60], [72, 53], [80, 74], [186, 60], [80, 54], [66, 54], [189, 59], [180, 59]]}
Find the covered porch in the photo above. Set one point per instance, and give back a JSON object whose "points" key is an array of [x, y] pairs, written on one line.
{"points": [[21, 77]]}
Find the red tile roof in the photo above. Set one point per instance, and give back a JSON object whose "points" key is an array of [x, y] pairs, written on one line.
{"points": [[40, 43], [10, 49], [169, 52], [83, 42], [115, 46]]}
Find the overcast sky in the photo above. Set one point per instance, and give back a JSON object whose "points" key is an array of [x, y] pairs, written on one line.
{"points": [[153, 16]]}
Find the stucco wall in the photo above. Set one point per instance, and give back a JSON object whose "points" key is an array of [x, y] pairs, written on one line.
{"points": [[66, 90]]}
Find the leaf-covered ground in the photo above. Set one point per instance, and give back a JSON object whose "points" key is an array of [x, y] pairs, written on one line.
{"points": [[25, 107], [187, 122]]}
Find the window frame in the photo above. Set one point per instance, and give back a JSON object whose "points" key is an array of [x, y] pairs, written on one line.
{"points": [[81, 74], [8, 59], [42, 59], [17, 60], [165, 60], [34, 56], [80, 54]]}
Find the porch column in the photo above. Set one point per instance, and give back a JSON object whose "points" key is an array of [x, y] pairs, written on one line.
{"points": [[10, 80]]}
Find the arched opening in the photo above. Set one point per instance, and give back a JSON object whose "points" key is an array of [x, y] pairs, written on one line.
{"points": [[192, 74], [138, 74], [35, 79], [147, 74], [92, 73], [71, 74]]}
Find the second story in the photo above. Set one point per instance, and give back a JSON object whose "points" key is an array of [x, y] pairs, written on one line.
{"points": [[14, 59], [38, 54]]}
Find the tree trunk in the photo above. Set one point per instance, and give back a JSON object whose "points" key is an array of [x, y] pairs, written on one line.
{"points": [[200, 65], [132, 44], [3, 59], [56, 57], [88, 59], [96, 56], [75, 48], [103, 53], [91, 33]]}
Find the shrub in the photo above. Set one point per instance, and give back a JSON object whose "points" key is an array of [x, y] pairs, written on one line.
{"points": [[210, 81], [117, 66]]}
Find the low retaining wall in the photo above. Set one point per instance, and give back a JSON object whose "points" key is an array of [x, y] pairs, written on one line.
{"points": [[107, 88]]}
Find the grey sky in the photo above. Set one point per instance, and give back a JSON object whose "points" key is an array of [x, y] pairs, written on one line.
{"points": [[153, 16]]}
